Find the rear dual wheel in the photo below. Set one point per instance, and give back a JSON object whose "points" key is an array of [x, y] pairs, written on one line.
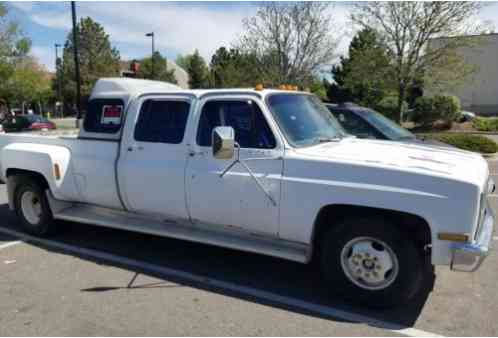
{"points": [[32, 207]]}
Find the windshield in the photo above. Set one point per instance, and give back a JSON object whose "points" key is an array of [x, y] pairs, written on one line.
{"points": [[304, 119], [386, 126]]}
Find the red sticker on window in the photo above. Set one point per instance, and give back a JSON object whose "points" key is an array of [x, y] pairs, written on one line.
{"points": [[111, 114]]}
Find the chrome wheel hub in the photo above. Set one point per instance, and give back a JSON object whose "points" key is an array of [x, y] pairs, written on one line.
{"points": [[369, 263], [31, 207]]}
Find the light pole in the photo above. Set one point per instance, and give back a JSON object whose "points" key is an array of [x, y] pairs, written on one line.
{"points": [[76, 65], [151, 34], [58, 72]]}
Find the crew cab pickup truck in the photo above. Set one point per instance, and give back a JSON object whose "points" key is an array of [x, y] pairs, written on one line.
{"points": [[260, 170]]}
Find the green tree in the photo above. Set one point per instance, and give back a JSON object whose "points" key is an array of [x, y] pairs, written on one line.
{"points": [[233, 68], [97, 59], [409, 31], [319, 88], [13, 49], [197, 71], [363, 76], [28, 84], [158, 71]]}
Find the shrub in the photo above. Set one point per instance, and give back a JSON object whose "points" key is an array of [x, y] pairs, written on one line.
{"points": [[424, 112], [388, 107], [448, 107], [485, 123], [428, 110], [477, 143]]}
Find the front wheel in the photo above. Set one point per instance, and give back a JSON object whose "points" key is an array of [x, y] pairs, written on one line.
{"points": [[369, 261], [32, 207]]}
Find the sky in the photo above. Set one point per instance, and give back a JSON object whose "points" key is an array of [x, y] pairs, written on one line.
{"points": [[179, 27]]}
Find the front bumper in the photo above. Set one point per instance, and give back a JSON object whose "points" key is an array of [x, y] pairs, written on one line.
{"points": [[468, 257]]}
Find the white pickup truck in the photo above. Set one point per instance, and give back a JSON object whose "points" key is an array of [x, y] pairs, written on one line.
{"points": [[265, 171]]}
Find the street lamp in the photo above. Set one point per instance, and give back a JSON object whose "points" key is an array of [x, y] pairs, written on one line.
{"points": [[76, 65], [58, 72], [151, 35]]}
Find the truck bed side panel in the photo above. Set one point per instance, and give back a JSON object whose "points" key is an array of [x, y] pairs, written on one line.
{"points": [[91, 166]]}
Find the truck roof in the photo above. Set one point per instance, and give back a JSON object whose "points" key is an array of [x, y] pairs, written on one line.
{"points": [[113, 87]]}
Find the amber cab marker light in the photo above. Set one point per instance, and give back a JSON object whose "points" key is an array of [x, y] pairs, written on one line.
{"points": [[282, 87], [258, 87], [57, 172], [446, 236]]}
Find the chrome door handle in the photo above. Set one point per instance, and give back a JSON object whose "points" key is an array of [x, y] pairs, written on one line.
{"points": [[130, 148], [192, 153]]}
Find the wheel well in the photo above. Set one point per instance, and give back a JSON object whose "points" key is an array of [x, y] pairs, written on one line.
{"points": [[331, 215], [32, 174]]}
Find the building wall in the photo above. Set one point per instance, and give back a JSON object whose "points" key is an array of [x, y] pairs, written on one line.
{"points": [[480, 91]]}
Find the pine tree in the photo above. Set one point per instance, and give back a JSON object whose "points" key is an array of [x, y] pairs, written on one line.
{"points": [[360, 77], [96, 56], [197, 71], [158, 71]]}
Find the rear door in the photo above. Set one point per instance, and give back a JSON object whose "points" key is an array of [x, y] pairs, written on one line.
{"points": [[153, 159]]}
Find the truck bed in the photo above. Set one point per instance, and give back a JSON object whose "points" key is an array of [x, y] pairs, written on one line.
{"points": [[90, 177]]}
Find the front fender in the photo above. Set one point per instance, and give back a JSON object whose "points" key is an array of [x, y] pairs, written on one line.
{"points": [[445, 204]]}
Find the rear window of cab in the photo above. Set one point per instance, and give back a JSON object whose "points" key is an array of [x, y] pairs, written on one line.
{"points": [[104, 116]]}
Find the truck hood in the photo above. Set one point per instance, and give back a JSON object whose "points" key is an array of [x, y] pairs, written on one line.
{"points": [[425, 159]]}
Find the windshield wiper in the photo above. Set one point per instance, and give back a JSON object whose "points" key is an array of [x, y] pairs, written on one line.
{"points": [[328, 139]]}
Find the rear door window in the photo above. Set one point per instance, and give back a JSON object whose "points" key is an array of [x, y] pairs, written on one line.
{"points": [[162, 121]]}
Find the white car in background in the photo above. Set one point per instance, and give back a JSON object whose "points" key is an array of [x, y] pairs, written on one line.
{"points": [[467, 115]]}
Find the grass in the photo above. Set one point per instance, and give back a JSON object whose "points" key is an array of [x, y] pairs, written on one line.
{"points": [[476, 143], [485, 123]]}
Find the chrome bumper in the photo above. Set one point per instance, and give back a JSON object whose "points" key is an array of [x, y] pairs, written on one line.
{"points": [[468, 257]]}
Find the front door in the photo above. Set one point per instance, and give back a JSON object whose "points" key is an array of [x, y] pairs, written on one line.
{"points": [[152, 164], [235, 200]]}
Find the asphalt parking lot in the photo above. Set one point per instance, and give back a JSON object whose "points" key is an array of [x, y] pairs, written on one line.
{"points": [[90, 281]]}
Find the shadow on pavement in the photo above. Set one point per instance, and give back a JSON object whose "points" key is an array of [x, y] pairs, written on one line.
{"points": [[284, 278]]}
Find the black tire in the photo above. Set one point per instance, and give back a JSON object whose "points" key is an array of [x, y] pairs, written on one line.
{"points": [[412, 272], [46, 225]]}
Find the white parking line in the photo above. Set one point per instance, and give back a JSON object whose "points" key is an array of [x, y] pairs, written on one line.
{"points": [[253, 292], [9, 244]]}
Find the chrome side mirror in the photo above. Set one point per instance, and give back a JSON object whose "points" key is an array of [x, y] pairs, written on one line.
{"points": [[223, 143]]}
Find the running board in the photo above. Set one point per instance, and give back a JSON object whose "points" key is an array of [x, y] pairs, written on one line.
{"points": [[233, 239]]}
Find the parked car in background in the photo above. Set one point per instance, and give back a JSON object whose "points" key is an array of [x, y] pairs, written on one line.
{"points": [[38, 122], [27, 122], [467, 116], [363, 122]]}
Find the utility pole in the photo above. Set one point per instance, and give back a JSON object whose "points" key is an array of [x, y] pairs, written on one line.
{"points": [[76, 65], [151, 34], [58, 72]]}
